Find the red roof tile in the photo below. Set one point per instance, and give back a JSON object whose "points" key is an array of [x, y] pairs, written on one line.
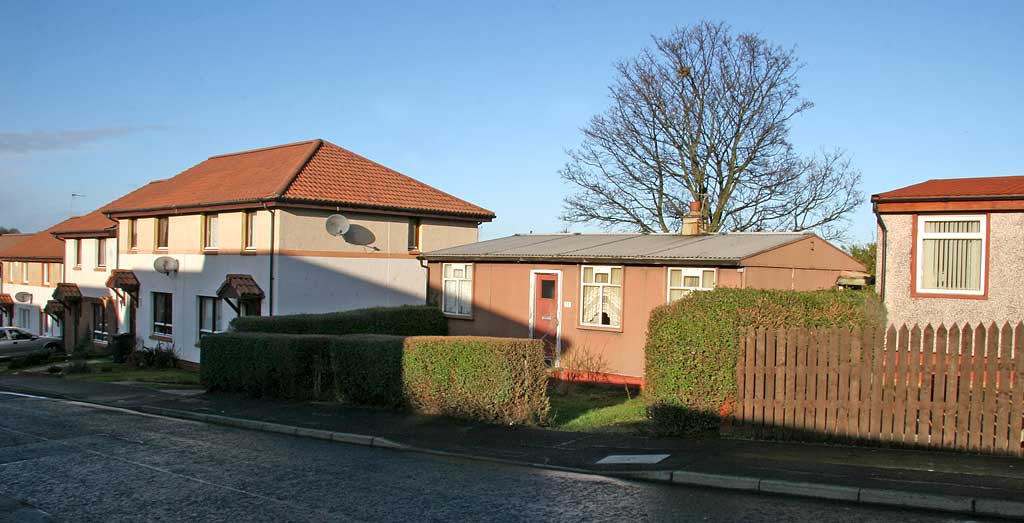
{"points": [[38, 246], [315, 171], [959, 188], [7, 240], [88, 224]]}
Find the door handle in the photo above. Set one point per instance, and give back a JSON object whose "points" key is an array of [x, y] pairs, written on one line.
{"points": [[546, 318]]}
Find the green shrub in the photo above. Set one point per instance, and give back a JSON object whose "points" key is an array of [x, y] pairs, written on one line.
{"points": [[491, 379], [409, 320], [693, 345], [269, 365], [367, 369], [488, 379]]}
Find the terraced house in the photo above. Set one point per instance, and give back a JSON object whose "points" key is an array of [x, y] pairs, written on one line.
{"points": [[247, 233], [92, 311], [31, 269]]}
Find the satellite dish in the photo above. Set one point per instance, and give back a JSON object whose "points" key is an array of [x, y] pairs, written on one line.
{"points": [[165, 265], [23, 297], [337, 225]]}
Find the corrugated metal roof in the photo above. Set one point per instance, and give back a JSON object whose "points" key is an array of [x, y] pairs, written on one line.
{"points": [[723, 247]]}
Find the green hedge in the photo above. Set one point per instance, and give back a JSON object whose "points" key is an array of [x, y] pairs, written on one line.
{"points": [[693, 345], [488, 379], [409, 320], [491, 379]]}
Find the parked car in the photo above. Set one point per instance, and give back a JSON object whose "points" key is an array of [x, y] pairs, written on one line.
{"points": [[16, 342]]}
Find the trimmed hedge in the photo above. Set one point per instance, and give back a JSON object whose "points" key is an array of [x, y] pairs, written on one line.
{"points": [[693, 345], [490, 379], [408, 320], [487, 379]]}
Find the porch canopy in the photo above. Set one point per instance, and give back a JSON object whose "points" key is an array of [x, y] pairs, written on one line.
{"points": [[244, 290], [6, 306], [67, 293], [122, 280], [54, 308]]}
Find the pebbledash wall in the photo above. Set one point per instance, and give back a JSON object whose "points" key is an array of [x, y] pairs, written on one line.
{"points": [[1004, 302], [309, 271]]}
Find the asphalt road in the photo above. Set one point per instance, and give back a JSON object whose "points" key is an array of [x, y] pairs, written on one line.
{"points": [[81, 463]]}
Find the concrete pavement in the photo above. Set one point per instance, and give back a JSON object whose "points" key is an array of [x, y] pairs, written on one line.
{"points": [[915, 478]]}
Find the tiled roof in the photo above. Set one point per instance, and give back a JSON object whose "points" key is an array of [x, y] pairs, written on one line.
{"points": [[124, 280], [240, 287], [38, 246], [7, 240], [67, 292], [315, 171], [54, 308], [6, 299], [958, 188], [92, 223], [722, 248]]}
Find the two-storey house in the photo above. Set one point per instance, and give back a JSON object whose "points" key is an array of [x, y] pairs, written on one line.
{"points": [[31, 268], [246, 233]]}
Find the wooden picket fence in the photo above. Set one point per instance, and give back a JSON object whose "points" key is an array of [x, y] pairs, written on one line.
{"points": [[957, 388]]}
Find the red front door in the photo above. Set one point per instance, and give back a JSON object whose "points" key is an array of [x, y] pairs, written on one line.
{"points": [[545, 311]]}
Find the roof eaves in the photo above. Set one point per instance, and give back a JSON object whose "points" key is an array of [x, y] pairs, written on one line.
{"points": [[625, 260]]}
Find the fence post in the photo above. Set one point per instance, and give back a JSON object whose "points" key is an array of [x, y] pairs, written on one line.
{"points": [[950, 407], [1017, 410], [924, 412], [1003, 397], [988, 423]]}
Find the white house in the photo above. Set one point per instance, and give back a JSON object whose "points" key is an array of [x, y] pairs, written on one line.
{"points": [[245, 233], [31, 268]]}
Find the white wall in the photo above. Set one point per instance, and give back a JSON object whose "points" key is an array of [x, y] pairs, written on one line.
{"points": [[198, 275], [327, 284], [40, 295]]}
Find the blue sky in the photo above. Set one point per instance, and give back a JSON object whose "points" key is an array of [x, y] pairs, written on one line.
{"points": [[478, 99]]}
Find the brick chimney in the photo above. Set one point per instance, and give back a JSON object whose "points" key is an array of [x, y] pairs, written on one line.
{"points": [[693, 222]]}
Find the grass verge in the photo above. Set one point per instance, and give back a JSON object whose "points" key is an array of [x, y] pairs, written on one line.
{"points": [[173, 378], [596, 408]]}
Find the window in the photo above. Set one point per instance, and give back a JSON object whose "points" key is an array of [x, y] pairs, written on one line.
{"points": [[78, 253], [209, 231], [414, 234], [46, 273], [161, 232], [209, 316], [101, 252], [249, 235], [683, 281], [162, 324], [547, 289], [951, 255], [133, 233], [99, 323], [457, 295], [25, 322], [24, 272], [602, 296], [20, 334]]}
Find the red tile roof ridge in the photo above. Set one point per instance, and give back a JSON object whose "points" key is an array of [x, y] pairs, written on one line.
{"points": [[302, 165], [269, 148]]}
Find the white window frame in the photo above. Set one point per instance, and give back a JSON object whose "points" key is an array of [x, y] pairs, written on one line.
{"points": [[155, 324], [218, 317], [99, 335], [249, 230], [46, 273], [24, 272], [688, 271], [78, 252], [602, 269], [101, 252], [133, 234], [444, 295], [211, 224], [919, 249]]}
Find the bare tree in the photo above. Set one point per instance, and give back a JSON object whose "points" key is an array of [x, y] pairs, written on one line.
{"points": [[704, 116]]}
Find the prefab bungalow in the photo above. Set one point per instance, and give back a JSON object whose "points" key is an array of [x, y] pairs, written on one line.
{"points": [[590, 295]]}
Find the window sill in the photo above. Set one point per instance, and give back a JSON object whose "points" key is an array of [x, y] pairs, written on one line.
{"points": [[949, 295], [458, 316], [101, 268], [209, 250], [600, 328], [161, 337], [249, 251], [76, 268]]}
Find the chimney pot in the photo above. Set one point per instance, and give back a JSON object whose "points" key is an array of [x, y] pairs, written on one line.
{"points": [[694, 206], [693, 222]]}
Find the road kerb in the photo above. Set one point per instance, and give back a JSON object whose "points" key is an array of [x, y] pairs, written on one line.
{"points": [[999, 507], [723, 481], [810, 490], [898, 498]]}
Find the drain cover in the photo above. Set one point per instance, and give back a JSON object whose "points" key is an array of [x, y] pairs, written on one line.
{"points": [[632, 459]]}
